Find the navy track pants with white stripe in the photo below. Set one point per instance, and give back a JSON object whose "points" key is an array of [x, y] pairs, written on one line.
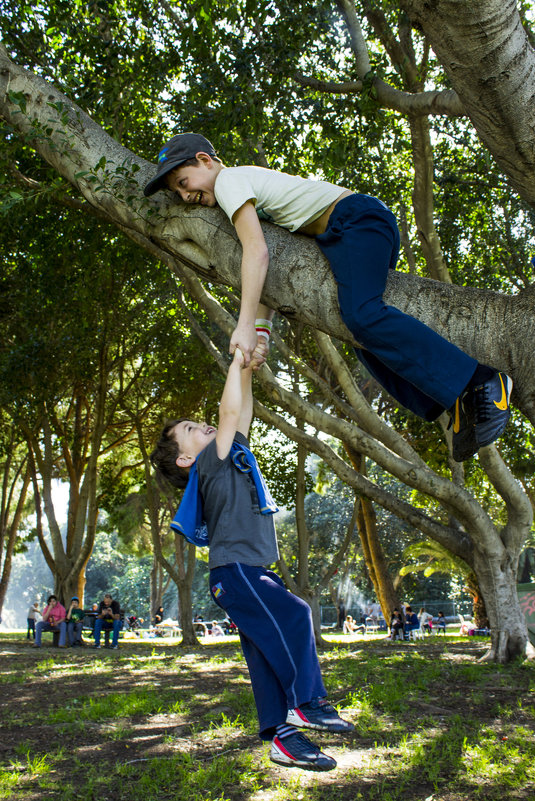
{"points": [[277, 639], [421, 369]]}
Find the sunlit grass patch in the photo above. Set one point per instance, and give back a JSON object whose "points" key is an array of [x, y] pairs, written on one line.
{"points": [[238, 710], [146, 701], [120, 732], [20, 772], [182, 777], [507, 757], [223, 727], [13, 676]]}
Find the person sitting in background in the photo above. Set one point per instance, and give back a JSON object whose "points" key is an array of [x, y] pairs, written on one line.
{"points": [[53, 620], [108, 617], [396, 625], [33, 616], [158, 616], [411, 620], [467, 627], [229, 626], [426, 621], [350, 626], [216, 630], [134, 624], [441, 623], [74, 619]]}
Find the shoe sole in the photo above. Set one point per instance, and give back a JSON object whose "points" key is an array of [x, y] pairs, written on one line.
{"points": [[303, 765], [302, 723], [507, 388], [495, 435], [319, 727]]}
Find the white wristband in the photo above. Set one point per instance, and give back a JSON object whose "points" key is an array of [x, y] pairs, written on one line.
{"points": [[263, 328]]}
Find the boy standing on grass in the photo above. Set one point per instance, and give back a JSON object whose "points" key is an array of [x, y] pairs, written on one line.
{"points": [[227, 502], [359, 236]]}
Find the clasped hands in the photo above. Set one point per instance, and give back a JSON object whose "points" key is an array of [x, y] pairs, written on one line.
{"points": [[253, 347]]}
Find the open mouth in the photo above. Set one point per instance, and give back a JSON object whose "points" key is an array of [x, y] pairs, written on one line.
{"points": [[209, 430], [198, 198]]}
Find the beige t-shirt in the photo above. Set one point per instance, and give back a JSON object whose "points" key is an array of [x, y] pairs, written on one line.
{"points": [[286, 200]]}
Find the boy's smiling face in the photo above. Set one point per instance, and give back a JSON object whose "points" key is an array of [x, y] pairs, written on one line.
{"points": [[195, 182], [192, 438]]}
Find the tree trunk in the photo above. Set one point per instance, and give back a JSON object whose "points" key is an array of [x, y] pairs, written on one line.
{"points": [[377, 566], [489, 60], [423, 199], [314, 602], [497, 579], [184, 586], [371, 546], [10, 530], [155, 585]]}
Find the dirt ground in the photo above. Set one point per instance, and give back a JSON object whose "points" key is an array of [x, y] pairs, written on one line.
{"points": [[209, 689]]}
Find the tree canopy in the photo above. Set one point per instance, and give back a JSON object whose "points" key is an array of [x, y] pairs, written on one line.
{"points": [[425, 105]]}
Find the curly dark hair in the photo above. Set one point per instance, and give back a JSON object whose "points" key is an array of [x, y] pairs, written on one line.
{"points": [[164, 456]]}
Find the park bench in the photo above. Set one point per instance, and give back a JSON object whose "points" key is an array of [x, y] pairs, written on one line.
{"points": [[88, 624]]}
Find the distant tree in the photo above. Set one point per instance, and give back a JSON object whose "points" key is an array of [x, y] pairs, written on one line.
{"points": [[432, 558], [15, 480], [366, 116]]}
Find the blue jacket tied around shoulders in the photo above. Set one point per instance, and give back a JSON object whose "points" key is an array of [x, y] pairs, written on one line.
{"points": [[189, 519]]}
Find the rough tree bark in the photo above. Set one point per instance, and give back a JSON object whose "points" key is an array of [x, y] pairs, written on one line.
{"points": [[372, 549], [489, 60]]}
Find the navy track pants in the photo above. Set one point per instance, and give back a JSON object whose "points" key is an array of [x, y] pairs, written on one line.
{"points": [[277, 639], [417, 366]]}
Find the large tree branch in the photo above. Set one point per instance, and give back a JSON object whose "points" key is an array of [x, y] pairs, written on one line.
{"points": [[398, 459], [443, 102], [492, 327], [490, 62]]}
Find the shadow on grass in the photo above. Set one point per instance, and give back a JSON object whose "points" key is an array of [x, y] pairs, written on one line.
{"points": [[153, 723]]}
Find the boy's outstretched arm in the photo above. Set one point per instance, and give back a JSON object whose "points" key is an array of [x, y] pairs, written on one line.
{"points": [[236, 404], [244, 423], [254, 266]]}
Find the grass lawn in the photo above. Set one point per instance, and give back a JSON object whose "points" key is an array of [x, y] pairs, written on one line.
{"points": [[155, 721]]}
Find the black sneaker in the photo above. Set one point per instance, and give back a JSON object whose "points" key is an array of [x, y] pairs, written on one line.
{"points": [[462, 420], [491, 407], [318, 714], [296, 751]]}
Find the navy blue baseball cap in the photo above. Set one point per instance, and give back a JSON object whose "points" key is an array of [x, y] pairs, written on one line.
{"points": [[175, 152]]}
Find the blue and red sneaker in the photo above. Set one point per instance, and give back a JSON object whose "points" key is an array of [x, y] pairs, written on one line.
{"points": [[318, 714], [296, 751]]}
